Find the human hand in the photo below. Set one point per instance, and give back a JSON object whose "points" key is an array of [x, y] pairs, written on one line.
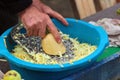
{"points": [[44, 8], [36, 23]]}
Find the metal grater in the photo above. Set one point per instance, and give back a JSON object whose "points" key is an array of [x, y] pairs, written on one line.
{"points": [[29, 43], [33, 44]]}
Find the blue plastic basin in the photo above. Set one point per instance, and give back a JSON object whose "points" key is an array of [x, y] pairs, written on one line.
{"points": [[84, 31]]}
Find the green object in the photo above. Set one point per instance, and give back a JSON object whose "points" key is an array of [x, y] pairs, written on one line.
{"points": [[108, 52], [12, 75], [118, 11]]}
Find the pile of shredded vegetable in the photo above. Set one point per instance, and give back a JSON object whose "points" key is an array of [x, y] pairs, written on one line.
{"points": [[80, 51]]}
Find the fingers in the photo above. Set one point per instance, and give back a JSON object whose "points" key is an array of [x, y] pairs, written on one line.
{"points": [[35, 26], [35, 23], [39, 28], [30, 27], [58, 16], [35, 30], [42, 30], [29, 32], [51, 27]]}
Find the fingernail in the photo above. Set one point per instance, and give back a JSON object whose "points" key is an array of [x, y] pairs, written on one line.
{"points": [[66, 23], [59, 41]]}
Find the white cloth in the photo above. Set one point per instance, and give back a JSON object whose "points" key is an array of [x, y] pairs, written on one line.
{"points": [[112, 27]]}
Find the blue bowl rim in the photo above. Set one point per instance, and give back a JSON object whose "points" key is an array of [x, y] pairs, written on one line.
{"points": [[57, 67]]}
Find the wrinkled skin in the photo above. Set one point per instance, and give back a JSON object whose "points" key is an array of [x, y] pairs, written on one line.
{"points": [[36, 19]]}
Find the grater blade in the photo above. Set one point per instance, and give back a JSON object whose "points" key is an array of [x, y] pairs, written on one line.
{"points": [[29, 43]]}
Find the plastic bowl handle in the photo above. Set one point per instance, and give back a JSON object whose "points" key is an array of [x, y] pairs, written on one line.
{"points": [[2, 47]]}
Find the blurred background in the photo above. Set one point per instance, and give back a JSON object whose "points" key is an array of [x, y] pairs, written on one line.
{"points": [[79, 8]]}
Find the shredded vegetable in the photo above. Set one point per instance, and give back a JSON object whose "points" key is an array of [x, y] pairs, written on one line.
{"points": [[78, 51]]}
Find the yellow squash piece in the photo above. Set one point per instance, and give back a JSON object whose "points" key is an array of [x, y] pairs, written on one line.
{"points": [[51, 47]]}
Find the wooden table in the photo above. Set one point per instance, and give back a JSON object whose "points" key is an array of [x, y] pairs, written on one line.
{"points": [[107, 13]]}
